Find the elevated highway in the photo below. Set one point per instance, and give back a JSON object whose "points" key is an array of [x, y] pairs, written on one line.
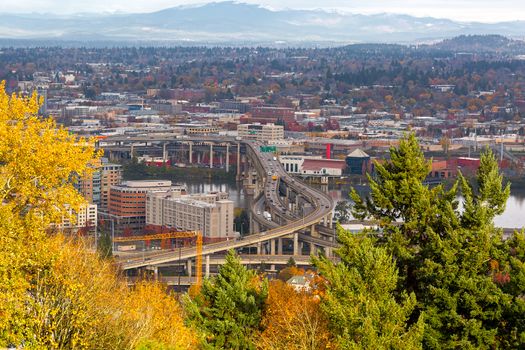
{"points": [[272, 174]]}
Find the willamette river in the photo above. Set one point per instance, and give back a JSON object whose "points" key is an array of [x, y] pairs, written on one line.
{"points": [[513, 217]]}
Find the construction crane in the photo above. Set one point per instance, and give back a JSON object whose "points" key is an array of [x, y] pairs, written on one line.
{"points": [[164, 238]]}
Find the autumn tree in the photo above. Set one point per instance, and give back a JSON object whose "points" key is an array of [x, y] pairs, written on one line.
{"points": [[293, 320], [55, 293], [228, 309], [288, 272]]}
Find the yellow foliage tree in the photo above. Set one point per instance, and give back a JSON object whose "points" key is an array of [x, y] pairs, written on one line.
{"points": [[37, 161], [293, 321], [54, 293]]}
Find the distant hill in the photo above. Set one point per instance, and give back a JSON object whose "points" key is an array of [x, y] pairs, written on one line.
{"points": [[481, 43], [243, 24]]}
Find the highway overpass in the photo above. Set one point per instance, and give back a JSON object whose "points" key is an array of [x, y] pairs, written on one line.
{"points": [[293, 221]]}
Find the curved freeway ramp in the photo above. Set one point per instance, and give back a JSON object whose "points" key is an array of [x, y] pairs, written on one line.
{"points": [[322, 204]]}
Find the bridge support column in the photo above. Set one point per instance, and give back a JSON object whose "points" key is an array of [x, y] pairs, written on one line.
{"points": [[296, 243], [131, 151], [188, 267], [198, 157], [227, 157], [211, 155], [312, 231], [238, 176], [272, 247], [190, 156], [279, 246], [313, 249], [156, 273], [328, 252], [207, 265], [164, 153], [259, 248]]}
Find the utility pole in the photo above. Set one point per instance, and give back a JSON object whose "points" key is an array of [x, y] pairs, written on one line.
{"points": [[179, 262]]}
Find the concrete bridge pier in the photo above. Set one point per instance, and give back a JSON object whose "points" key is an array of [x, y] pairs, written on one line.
{"points": [[272, 247], [328, 251], [296, 243], [190, 155], [211, 155], [253, 223], [227, 157], [155, 273], [207, 266], [238, 176], [272, 252], [313, 232], [313, 249], [188, 267], [280, 246]]}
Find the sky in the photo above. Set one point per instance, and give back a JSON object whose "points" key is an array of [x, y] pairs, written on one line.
{"points": [[461, 10]]}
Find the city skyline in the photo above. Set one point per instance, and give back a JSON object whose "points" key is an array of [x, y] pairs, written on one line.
{"points": [[463, 10]]}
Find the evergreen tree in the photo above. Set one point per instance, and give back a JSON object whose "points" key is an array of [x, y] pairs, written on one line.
{"points": [[454, 261], [360, 299], [228, 309]]}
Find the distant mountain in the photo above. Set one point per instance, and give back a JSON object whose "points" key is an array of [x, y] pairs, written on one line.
{"points": [[237, 23]]}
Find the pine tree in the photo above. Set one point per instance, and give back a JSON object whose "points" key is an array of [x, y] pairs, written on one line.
{"points": [[360, 300], [454, 261], [228, 309]]}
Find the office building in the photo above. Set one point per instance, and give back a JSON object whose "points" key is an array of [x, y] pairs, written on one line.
{"points": [[95, 187], [84, 220], [127, 203], [210, 213], [260, 132], [111, 175]]}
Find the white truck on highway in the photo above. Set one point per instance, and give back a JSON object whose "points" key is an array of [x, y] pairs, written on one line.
{"points": [[267, 216]]}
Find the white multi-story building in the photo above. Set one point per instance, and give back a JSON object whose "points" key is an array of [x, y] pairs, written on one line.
{"points": [[210, 213], [260, 132], [84, 218], [312, 165]]}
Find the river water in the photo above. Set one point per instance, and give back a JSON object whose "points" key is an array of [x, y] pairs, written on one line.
{"points": [[513, 217], [237, 194]]}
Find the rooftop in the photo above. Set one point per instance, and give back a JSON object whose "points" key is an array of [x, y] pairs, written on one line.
{"points": [[358, 153]]}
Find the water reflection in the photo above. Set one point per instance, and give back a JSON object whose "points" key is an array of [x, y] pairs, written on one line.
{"points": [[513, 217], [237, 194]]}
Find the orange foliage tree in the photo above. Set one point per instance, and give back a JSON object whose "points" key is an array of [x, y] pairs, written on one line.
{"points": [[293, 321]]}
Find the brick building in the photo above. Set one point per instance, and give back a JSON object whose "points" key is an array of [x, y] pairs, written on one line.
{"points": [[127, 203]]}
